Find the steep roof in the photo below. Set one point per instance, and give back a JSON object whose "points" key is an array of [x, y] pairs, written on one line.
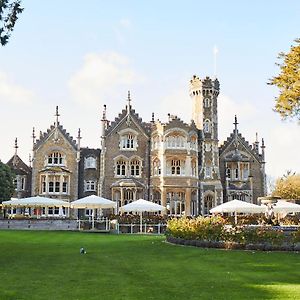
{"points": [[128, 116], [241, 140], [18, 166], [44, 136]]}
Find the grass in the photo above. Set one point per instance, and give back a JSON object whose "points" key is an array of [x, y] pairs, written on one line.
{"points": [[48, 265]]}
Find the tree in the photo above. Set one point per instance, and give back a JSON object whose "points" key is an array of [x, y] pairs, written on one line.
{"points": [[288, 186], [6, 182], [9, 11], [288, 81]]}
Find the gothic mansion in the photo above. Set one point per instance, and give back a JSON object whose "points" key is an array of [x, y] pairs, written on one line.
{"points": [[178, 165]]}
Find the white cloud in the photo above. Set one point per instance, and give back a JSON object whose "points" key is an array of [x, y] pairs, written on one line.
{"points": [[101, 78], [178, 103], [11, 92]]}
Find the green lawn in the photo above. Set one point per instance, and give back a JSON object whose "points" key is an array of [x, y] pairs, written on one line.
{"points": [[47, 265]]}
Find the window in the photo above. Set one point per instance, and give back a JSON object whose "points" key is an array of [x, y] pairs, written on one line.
{"points": [[236, 173], [207, 102], [193, 143], [56, 159], [207, 147], [54, 184], [228, 173], [90, 163], [128, 142], [135, 168], [206, 126], [175, 167], [194, 167], [208, 172], [245, 171], [156, 167], [155, 142], [121, 168], [90, 186], [65, 185], [175, 141]]}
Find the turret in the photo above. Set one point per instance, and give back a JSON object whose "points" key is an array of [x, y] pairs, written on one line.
{"points": [[196, 95]]}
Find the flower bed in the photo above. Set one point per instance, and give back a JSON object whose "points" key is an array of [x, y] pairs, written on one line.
{"points": [[212, 232]]}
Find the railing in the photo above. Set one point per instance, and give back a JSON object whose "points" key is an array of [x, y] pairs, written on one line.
{"points": [[136, 228]]}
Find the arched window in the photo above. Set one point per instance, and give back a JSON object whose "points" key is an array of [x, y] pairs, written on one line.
{"points": [[207, 102], [207, 126], [121, 167], [155, 142], [156, 170], [193, 143], [135, 168], [208, 204], [56, 159], [194, 167], [175, 141], [90, 162]]}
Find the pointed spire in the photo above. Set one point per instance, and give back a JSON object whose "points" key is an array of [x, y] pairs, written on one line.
{"points": [[57, 115], [78, 144], [16, 146], [256, 143], [263, 148], [128, 102], [104, 113], [235, 124], [33, 137], [152, 120], [79, 137]]}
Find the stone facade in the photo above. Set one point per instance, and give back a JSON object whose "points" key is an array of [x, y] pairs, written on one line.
{"points": [[176, 164], [55, 165]]}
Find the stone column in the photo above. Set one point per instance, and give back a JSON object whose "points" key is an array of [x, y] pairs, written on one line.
{"points": [[164, 199], [188, 197]]}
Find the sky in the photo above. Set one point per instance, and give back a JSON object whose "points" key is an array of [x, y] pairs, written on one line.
{"points": [[81, 55]]}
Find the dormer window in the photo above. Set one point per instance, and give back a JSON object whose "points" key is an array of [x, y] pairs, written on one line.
{"points": [[90, 163], [56, 159], [128, 141]]}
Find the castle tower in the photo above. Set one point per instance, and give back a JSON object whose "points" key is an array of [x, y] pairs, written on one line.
{"points": [[196, 95], [206, 109]]}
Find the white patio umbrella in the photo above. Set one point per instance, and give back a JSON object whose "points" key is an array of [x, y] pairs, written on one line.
{"points": [[93, 202], [285, 207], [36, 201], [237, 206], [141, 206]]}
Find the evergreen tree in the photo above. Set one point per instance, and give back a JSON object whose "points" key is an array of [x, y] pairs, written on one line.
{"points": [[6, 182], [288, 81], [9, 11]]}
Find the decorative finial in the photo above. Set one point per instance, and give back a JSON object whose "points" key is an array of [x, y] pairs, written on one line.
{"points": [[104, 113], [152, 118], [30, 160], [57, 115], [33, 136], [263, 143], [256, 137], [16, 146]]}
